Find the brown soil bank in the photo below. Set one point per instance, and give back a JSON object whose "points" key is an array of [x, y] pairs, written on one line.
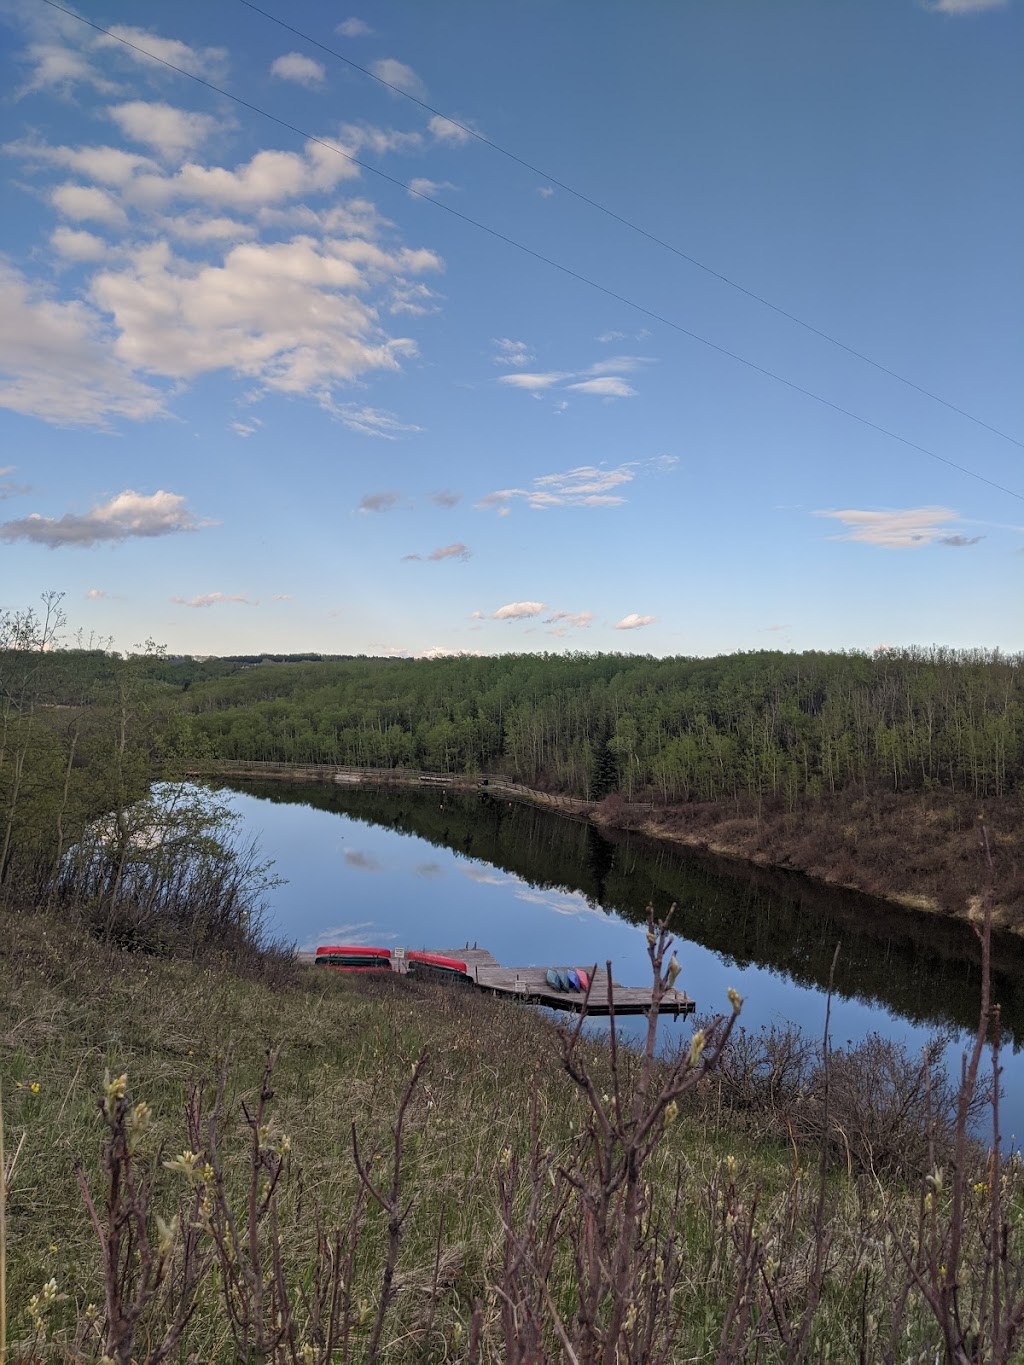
{"points": [[919, 850]]}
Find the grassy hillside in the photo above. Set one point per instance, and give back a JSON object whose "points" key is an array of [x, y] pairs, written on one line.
{"points": [[532, 1212]]}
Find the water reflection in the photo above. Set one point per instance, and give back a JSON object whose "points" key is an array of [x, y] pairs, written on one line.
{"points": [[439, 869]]}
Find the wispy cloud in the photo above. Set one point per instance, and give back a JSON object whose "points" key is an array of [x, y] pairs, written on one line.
{"points": [[373, 422], [399, 75], [199, 61], [354, 28], [215, 599], [579, 619], [510, 352], [456, 551], [608, 386], [246, 428], [958, 541], [965, 6], [380, 502], [603, 379], [128, 516], [584, 486], [445, 498], [903, 529], [634, 621], [282, 597], [517, 611], [431, 188], [429, 870], [94, 594], [545, 191]]}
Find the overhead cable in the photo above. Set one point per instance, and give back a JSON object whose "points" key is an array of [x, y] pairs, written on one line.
{"points": [[539, 256]]}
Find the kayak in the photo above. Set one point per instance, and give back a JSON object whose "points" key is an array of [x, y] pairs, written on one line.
{"points": [[574, 980], [552, 979], [563, 982], [436, 967], [583, 979], [354, 958]]}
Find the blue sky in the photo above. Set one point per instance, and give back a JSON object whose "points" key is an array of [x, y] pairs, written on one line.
{"points": [[255, 396]]}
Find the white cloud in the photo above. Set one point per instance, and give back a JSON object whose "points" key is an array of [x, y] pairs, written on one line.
{"points": [[445, 130], [533, 382], [198, 61], [420, 185], [909, 528], [444, 497], [267, 179], [108, 165], [610, 386], [634, 622], [965, 6], [293, 66], [287, 314], [545, 191], [372, 422], [213, 599], [354, 28], [198, 229], [169, 131], [88, 202], [580, 619], [127, 516], [281, 597], [56, 361], [245, 428], [94, 594], [399, 75], [517, 611], [75, 245], [511, 352]]}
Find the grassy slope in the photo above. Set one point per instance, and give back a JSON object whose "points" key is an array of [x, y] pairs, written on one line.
{"points": [[71, 1009]]}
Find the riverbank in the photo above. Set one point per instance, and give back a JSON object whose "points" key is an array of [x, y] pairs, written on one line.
{"points": [[918, 851], [292, 1184]]}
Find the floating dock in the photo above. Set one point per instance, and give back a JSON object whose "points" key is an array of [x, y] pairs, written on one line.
{"points": [[530, 984]]}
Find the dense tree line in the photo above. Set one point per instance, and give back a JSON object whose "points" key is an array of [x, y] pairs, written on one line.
{"points": [[784, 726]]}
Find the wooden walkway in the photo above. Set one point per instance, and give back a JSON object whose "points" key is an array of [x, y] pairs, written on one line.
{"points": [[530, 984]]}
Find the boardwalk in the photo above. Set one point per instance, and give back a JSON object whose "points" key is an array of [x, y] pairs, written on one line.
{"points": [[530, 984]]}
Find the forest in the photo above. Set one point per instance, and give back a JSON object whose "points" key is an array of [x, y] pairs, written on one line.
{"points": [[755, 725]]}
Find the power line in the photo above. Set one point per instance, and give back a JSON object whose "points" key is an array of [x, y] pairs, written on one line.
{"points": [[635, 227], [539, 256]]}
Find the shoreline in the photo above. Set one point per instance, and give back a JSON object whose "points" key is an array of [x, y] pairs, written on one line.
{"points": [[740, 836]]}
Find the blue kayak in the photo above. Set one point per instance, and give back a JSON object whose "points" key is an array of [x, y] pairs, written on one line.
{"points": [[552, 979], [574, 980], [563, 982]]}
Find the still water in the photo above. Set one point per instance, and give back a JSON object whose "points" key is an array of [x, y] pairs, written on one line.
{"points": [[434, 869]]}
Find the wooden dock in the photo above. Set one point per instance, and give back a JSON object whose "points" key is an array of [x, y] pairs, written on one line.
{"points": [[530, 984]]}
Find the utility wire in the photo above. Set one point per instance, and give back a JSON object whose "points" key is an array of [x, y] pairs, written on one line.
{"points": [[635, 227], [539, 256]]}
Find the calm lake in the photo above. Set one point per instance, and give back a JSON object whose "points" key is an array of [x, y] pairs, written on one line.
{"points": [[434, 869]]}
